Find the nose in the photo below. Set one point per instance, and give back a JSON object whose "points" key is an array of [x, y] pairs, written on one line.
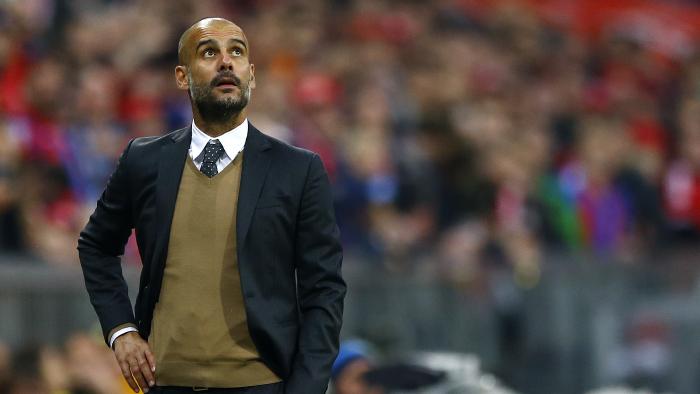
{"points": [[226, 62]]}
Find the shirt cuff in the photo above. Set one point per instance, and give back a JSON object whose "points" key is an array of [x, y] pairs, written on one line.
{"points": [[119, 333]]}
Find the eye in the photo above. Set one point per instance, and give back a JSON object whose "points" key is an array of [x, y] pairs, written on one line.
{"points": [[237, 51], [209, 52]]}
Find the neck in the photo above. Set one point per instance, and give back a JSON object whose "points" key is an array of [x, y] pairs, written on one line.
{"points": [[213, 128]]}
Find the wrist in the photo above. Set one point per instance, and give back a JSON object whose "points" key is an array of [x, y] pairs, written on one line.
{"points": [[119, 333]]}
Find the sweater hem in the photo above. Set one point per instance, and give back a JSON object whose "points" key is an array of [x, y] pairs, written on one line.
{"points": [[214, 374]]}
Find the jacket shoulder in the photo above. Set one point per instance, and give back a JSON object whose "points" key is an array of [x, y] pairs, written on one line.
{"points": [[156, 140], [150, 144]]}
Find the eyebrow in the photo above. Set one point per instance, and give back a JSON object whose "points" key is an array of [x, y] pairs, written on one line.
{"points": [[211, 41]]}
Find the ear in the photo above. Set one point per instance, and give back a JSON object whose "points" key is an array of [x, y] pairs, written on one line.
{"points": [[252, 76], [181, 79]]}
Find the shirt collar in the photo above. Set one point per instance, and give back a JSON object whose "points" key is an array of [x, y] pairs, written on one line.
{"points": [[232, 140]]}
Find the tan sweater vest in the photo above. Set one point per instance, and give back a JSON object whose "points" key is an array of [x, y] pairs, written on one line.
{"points": [[199, 333]]}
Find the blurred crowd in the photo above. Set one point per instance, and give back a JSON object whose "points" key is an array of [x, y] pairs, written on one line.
{"points": [[463, 138], [455, 132], [83, 365]]}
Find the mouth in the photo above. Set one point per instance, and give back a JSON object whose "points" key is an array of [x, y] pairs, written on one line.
{"points": [[226, 83]]}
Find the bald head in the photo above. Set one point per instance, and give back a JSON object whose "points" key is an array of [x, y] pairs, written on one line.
{"points": [[215, 68], [190, 38]]}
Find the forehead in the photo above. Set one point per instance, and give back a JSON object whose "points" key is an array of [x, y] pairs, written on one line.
{"points": [[215, 30]]}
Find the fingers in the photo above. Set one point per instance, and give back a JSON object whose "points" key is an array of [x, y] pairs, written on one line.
{"points": [[138, 375], [136, 362], [126, 371], [146, 371], [151, 360]]}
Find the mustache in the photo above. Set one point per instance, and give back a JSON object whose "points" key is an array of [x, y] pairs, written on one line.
{"points": [[229, 76]]}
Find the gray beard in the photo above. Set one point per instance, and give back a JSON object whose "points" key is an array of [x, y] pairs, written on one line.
{"points": [[217, 111]]}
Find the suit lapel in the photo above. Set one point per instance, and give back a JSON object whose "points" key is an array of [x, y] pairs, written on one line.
{"points": [[171, 161], [256, 162]]}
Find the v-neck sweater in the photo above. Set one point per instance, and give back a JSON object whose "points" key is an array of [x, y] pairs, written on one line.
{"points": [[199, 333]]}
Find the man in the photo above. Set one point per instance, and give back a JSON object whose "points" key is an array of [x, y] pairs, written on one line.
{"points": [[241, 290]]}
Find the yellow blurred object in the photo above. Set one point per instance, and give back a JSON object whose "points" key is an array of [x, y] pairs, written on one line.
{"points": [[125, 388]]}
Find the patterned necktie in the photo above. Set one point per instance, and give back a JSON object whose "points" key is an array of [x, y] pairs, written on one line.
{"points": [[212, 153]]}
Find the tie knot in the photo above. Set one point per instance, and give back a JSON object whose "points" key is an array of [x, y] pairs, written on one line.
{"points": [[213, 151]]}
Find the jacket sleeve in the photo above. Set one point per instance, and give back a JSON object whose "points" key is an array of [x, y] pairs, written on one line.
{"points": [[100, 246], [321, 289]]}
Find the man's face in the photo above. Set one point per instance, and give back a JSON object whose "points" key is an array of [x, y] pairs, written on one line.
{"points": [[216, 69]]}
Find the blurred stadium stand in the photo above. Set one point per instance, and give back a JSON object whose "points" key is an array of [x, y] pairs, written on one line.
{"points": [[517, 180]]}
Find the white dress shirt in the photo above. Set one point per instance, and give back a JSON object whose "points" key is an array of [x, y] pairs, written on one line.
{"points": [[232, 141]]}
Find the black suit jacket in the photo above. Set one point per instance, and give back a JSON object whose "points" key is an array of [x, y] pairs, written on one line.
{"points": [[289, 253]]}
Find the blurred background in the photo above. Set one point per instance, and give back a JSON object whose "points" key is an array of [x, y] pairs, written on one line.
{"points": [[517, 183]]}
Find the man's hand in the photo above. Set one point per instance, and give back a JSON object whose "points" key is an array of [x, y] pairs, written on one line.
{"points": [[136, 361]]}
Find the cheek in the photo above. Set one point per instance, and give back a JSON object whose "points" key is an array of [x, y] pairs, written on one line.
{"points": [[204, 72], [200, 83]]}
